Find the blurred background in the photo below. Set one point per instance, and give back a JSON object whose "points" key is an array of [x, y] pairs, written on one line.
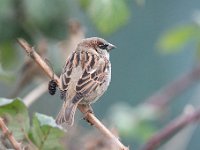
{"points": [[158, 44]]}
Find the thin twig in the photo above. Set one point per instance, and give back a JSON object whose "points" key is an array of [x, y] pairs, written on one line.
{"points": [[9, 135], [167, 93], [89, 116], [34, 55], [29, 140], [173, 127], [93, 120], [35, 94]]}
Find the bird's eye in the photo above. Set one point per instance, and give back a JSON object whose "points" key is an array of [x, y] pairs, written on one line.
{"points": [[103, 46]]}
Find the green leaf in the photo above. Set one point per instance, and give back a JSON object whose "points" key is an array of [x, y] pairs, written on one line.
{"points": [[174, 39], [15, 115], [45, 17], [45, 133], [144, 130], [84, 3], [108, 15]]}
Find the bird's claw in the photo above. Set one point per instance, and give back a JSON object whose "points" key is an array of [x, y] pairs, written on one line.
{"points": [[89, 110]]}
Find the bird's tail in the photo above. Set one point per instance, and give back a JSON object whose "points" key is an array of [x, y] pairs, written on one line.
{"points": [[66, 114]]}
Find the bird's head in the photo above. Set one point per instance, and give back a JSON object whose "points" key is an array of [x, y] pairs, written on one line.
{"points": [[99, 45]]}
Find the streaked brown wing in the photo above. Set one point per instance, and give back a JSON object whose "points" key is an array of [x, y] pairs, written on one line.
{"points": [[65, 76], [71, 63], [92, 77]]}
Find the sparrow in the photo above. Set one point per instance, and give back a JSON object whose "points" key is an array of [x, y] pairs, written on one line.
{"points": [[85, 77]]}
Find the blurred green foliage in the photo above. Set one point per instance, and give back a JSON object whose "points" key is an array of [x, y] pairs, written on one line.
{"points": [[6, 76], [27, 17], [7, 55], [107, 15], [135, 122], [16, 116], [34, 19], [174, 39], [50, 21], [44, 133]]}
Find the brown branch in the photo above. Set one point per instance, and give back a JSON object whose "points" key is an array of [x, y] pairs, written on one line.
{"points": [[173, 127], [89, 116], [166, 94], [36, 57], [9, 135]]}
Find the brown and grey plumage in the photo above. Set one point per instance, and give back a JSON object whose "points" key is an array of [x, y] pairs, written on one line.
{"points": [[85, 77]]}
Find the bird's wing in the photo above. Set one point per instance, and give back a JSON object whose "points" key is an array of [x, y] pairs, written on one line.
{"points": [[93, 75], [71, 63]]}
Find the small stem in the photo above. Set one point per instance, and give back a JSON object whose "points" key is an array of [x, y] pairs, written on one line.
{"points": [[44, 139], [164, 96], [9, 135], [36, 57], [35, 94], [93, 120], [173, 127]]}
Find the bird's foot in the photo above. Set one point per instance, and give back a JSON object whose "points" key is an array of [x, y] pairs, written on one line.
{"points": [[88, 109]]}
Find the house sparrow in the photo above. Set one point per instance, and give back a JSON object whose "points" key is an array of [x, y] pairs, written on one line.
{"points": [[85, 77]]}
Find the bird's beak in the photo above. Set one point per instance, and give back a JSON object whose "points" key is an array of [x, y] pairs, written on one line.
{"points": [[110, 47]]}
